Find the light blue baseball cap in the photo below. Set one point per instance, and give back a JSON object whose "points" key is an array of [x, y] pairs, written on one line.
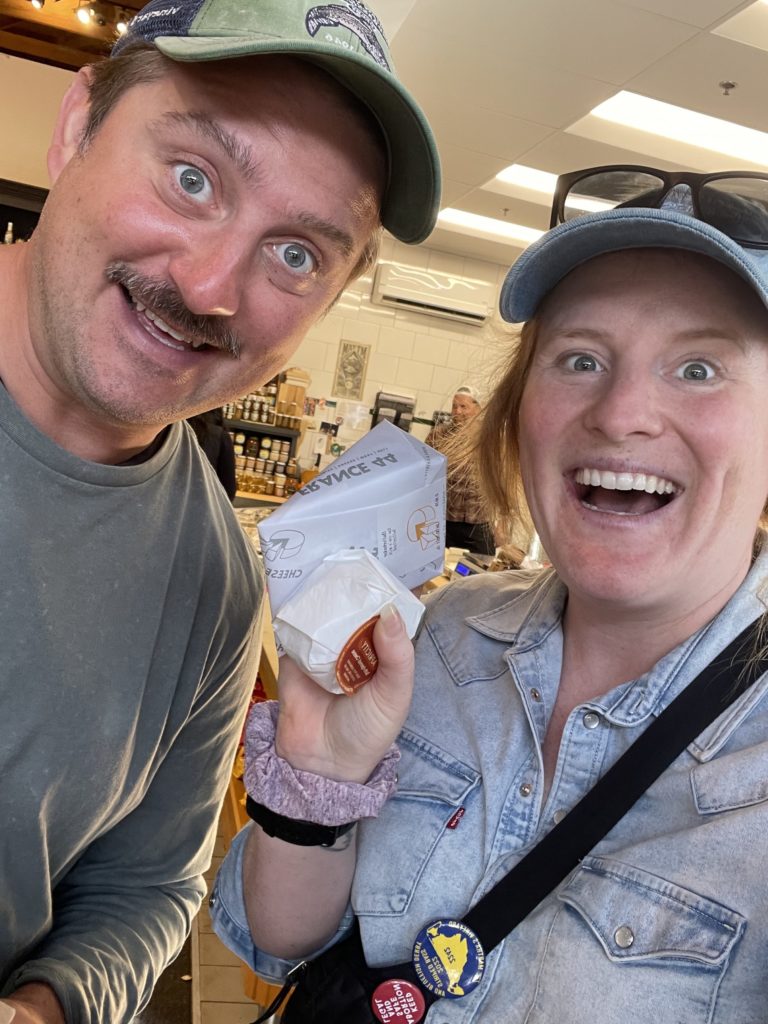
{"points": [[673, 225]]}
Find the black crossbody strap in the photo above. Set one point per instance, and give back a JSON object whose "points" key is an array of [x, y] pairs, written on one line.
{"points": [[729, 675]]}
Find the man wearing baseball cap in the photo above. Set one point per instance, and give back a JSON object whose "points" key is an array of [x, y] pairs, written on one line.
{"points": [[216, 184]]}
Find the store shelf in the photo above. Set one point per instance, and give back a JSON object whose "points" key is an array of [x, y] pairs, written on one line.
{"points": [[261, 428], [262, 499]]}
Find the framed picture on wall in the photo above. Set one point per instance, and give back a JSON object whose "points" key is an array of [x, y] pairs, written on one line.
{"points": [[351, 367]]}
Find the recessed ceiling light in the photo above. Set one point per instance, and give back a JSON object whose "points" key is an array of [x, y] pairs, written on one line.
{"points": [[520, 176], [528, 177], [486, 227], [682, 125]]}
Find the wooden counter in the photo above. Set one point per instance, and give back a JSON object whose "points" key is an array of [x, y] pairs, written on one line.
{"points": [[233, 816]]}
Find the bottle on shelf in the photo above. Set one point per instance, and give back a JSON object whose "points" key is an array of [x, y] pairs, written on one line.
{"points": [[312, 472], [292, 477], [8, 236]]}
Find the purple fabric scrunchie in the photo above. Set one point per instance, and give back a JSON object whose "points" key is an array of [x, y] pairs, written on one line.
{"points": [[272, 781]]}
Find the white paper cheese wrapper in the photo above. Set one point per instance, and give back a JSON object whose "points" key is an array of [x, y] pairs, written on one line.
{"points": [[326, 625], [385, 494]]}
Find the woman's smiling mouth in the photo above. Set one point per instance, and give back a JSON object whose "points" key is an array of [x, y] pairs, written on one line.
{"points": [[623, 493]]}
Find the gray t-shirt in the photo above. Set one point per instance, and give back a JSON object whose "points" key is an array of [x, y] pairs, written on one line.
{"points": [[129, 607]]}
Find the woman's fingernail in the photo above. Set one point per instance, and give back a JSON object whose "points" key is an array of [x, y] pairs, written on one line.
{"points": [[391, 623]]}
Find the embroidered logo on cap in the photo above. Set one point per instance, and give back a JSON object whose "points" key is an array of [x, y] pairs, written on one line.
{"points": [[357, 19]]}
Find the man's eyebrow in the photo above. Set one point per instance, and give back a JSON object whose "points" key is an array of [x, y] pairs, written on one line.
{"points": [[238, 152], [343, 241]]}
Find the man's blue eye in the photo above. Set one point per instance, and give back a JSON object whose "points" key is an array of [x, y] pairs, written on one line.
{"points": [[192, 180], [296, 257]]}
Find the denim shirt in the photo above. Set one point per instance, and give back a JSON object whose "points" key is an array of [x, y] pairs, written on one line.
{"points": [[665, 922]]}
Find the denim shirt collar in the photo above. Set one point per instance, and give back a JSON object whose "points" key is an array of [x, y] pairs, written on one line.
{"points": [[531, 621]]}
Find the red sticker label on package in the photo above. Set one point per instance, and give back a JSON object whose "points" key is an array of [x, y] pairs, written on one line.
{"points": [[357, 662], [398, 1002]]}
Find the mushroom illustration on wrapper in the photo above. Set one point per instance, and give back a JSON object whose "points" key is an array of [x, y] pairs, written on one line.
{"points": [[363, 533]]}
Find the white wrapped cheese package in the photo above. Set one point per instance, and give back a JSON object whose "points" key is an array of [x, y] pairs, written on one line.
{"points": [[327, 624], [385, 494]]}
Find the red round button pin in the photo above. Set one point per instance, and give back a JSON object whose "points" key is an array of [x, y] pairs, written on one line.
{"points": [[398, 1002]]}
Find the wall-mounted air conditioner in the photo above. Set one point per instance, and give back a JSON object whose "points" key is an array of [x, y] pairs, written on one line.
{"points": [[437, 294]]}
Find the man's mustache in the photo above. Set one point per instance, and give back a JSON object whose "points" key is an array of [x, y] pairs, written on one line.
{"points": [[163, 299]]}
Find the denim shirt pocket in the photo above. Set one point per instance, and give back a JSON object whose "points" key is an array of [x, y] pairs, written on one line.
{"points": [[396, 848], [636, 946], [637, 916], [731, 781]]}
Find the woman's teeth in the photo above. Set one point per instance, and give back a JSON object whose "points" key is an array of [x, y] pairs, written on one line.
{"points": [[625, 481]]}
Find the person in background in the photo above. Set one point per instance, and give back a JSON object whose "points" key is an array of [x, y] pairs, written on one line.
{"points": [[216, 442], [467, 522], [632, 417], [216, 184]]}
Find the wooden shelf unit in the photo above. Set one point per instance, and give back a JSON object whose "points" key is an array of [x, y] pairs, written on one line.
{"points": [[252, 427], [260, 498], [233, 813]]}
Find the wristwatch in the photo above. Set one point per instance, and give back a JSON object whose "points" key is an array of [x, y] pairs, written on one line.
{"points": [[290, 830]]}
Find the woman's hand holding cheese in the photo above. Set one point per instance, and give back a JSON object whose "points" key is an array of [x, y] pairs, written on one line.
{"points": [[345, 737]]}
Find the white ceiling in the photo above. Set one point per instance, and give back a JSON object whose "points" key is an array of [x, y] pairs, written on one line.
{"points": [[514, 81]]}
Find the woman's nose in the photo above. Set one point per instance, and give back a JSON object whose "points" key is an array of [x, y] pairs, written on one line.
{"points": [[625, 405]]}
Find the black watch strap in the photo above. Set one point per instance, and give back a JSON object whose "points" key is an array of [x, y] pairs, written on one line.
{"points": [[300, 833]]}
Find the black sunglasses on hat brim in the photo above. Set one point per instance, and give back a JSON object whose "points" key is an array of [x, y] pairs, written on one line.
{"points": [[734, 202]]}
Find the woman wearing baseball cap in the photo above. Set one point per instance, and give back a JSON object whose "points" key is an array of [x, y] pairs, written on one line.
{"points": [[633, 425]]}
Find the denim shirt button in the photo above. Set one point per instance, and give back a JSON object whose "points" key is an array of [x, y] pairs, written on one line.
{"points": [[212, 900], [535, 694], [624, 936], [591, 720], [558, 816], [526, 789]]}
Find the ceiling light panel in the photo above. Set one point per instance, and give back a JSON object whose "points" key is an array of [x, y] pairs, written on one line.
{"points": [[639, 113], [487, 227], [749, 26], [522, 182]]}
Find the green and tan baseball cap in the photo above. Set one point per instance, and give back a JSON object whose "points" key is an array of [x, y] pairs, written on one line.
{"points": [[346, 39]]}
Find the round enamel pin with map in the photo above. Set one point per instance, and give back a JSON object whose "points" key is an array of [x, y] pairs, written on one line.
{"points": [[449, 959]]}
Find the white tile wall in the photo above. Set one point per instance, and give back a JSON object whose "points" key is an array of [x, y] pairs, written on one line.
{"points": [[419, 354]]}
